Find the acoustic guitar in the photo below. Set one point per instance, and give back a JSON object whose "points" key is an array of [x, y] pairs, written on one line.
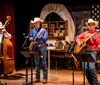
{"points": [[81, 48], [34, 45]]}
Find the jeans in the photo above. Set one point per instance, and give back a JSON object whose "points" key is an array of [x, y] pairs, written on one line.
{"points": [[90, 70], [43, 55]]}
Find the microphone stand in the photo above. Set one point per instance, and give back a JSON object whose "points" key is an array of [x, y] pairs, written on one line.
{"points": [[25, 41], [71, 51], [26, 62], [73, 44]]}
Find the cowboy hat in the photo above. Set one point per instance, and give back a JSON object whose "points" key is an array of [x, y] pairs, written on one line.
{"points": [[37, 19], [92, 21], [1, 25]]}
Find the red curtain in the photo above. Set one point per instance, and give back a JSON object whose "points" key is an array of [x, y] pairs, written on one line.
{"points": [[7, 9]]}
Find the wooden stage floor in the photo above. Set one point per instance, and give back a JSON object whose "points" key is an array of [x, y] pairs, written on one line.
{"points": [[55, 77]]}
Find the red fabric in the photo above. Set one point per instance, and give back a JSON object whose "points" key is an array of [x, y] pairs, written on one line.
{"points": [[5, 10]]}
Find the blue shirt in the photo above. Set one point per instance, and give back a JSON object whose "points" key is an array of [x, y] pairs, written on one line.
{"points": [[44, 35]]}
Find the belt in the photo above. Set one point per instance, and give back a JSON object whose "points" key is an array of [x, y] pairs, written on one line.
{"points": [[39, 45]]}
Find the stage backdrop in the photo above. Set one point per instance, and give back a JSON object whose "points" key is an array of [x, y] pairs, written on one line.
{"points": [[62, 11]]}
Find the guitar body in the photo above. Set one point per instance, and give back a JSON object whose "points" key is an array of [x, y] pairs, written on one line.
{"points": [[33, 46], [84, 42], [81, 48]]}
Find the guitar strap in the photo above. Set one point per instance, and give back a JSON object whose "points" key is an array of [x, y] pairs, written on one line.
{"points": [[40, 32]]}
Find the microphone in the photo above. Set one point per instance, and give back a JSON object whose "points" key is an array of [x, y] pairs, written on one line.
{"points": [[79, 26], [25, 35]]}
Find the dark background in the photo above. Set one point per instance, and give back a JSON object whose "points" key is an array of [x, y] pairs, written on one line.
{"points": [[26, 10]]}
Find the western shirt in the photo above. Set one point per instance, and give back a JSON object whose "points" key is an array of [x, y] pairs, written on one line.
{"points": [[94, 41], [44, 35]]}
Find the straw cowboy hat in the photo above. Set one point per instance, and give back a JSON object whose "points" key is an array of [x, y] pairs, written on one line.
{"points": [[92, 21], [37, 19], [1, 25]]}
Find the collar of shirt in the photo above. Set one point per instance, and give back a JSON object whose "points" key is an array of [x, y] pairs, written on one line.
{"points": [[37, 29], [92, 31]]}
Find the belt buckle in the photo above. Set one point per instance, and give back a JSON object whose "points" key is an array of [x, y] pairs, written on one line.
{"points": [[41, 45]]}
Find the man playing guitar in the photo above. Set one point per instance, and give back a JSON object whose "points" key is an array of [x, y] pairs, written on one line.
{"points": [[91, 38], [39, 36]]}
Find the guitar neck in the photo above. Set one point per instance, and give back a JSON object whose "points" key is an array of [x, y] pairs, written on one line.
{"points": [[90, 36]]}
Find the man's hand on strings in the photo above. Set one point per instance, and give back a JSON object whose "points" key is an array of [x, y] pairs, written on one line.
{"points": [[31, 46], [81, 43], [39, 36], [31, 38], [78, 43]]}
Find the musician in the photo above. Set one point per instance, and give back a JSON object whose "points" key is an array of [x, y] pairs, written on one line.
{"points": [[93, 45], [4, 36], [40, 39], [4, 43]]}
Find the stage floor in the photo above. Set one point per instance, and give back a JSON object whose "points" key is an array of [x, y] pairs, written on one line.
{"points": [[55, 77]]}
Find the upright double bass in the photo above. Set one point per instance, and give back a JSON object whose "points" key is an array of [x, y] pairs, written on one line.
{"points": [[6, 59]]}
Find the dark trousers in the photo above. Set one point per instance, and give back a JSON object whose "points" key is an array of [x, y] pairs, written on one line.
{"points": [[91, 76], [90, 70], [42, 59]]}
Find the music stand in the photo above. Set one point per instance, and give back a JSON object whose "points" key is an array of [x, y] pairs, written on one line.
{"points": [[84, 57], [29, 55]]}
